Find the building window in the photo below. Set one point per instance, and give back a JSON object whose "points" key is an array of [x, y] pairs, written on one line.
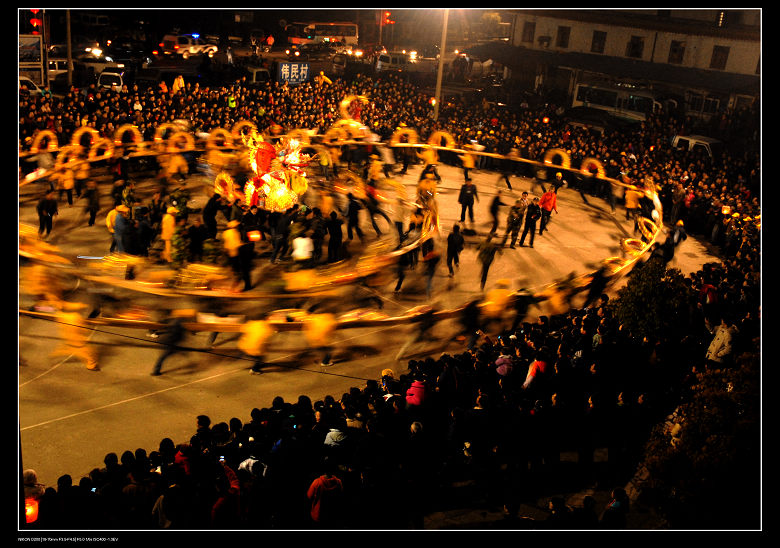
{"points": [[529, 29], [676, 52], [562, 40], [635, 47], [720, 54], [599, 41]]}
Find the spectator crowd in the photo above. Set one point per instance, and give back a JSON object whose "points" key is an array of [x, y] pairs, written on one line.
{"points": [[499, 413]]}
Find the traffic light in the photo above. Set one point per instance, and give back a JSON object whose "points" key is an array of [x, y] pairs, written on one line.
{"points": [[386, 18]]}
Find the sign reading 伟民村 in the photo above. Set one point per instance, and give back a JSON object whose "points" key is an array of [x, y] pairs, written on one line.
{"points": [[293, 73]]}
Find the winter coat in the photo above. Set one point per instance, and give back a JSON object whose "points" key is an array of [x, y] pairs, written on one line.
{"points": [[415, 395]]}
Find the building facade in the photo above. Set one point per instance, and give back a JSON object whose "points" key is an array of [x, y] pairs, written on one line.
{"points": [[703, 61]]}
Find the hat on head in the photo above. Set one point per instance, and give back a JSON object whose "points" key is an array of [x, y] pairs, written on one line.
{"points": [[387, 373], [30, 477]]}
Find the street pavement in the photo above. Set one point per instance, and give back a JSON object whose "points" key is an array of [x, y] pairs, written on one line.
{"points": [[70, 417]]}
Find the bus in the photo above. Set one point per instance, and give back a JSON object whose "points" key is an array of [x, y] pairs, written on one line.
{"points": [[318, 33], [622, 102]]}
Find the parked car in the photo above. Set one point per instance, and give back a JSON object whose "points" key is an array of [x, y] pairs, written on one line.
{"points": [[316, 51], [187, 45], [95, 63], [28, 87], [131, 53], [57, 66], [110, 78], [699, 143], [257, 75]]}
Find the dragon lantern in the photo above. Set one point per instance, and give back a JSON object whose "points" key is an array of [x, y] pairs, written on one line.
{"points": [[279, 174]]}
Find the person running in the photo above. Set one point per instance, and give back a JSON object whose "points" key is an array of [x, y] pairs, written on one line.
{"points": [[486, 252], [172, 335], [455, 244]]}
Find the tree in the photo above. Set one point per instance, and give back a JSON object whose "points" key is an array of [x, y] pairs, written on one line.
{"points": [[703, 464], [653, 305]]}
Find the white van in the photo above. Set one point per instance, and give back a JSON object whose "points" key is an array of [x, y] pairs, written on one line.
{"points": [[713, 147], [57, 66], [32, 87], [257, 75], [111, 77], [396, 60]]}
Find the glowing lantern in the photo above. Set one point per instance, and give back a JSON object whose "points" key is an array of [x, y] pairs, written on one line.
{"points": [[30, 510], [278, 185]]}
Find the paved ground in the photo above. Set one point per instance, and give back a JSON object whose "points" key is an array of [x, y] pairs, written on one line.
{"points": [[70, 418]]}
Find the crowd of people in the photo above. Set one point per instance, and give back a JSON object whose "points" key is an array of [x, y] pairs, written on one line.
{"points": [[500, 412], [709, 196], [385, 454]]}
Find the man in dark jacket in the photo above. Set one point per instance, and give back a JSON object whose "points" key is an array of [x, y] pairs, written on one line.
{"points": [[210, 214], [353, 222], [532, 215], [468, 194], [47, 209], [335, 237], [455, 243], [494, 207]]}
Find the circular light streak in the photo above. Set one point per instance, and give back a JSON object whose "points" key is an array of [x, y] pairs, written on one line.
{"points": [[288, 182]]}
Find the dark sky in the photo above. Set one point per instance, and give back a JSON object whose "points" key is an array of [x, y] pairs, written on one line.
{"points": [[206, 20]]}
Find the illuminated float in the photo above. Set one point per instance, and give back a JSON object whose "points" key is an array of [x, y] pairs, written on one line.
{"points": [[279, 174]]}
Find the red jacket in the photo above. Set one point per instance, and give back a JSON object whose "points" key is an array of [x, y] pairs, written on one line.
{"points": [[549, 201], [324, 494]]}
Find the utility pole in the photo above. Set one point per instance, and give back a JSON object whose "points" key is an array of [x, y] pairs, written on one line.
{"points": [[67, 42], [441, 64], [381, 24], [45, 54]]}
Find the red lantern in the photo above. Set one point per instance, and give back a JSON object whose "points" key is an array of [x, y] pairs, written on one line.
{"points": [[34, 21]]}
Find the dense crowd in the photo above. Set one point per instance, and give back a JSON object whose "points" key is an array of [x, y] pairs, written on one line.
{"points": [[500, 412], [633, 156]]}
